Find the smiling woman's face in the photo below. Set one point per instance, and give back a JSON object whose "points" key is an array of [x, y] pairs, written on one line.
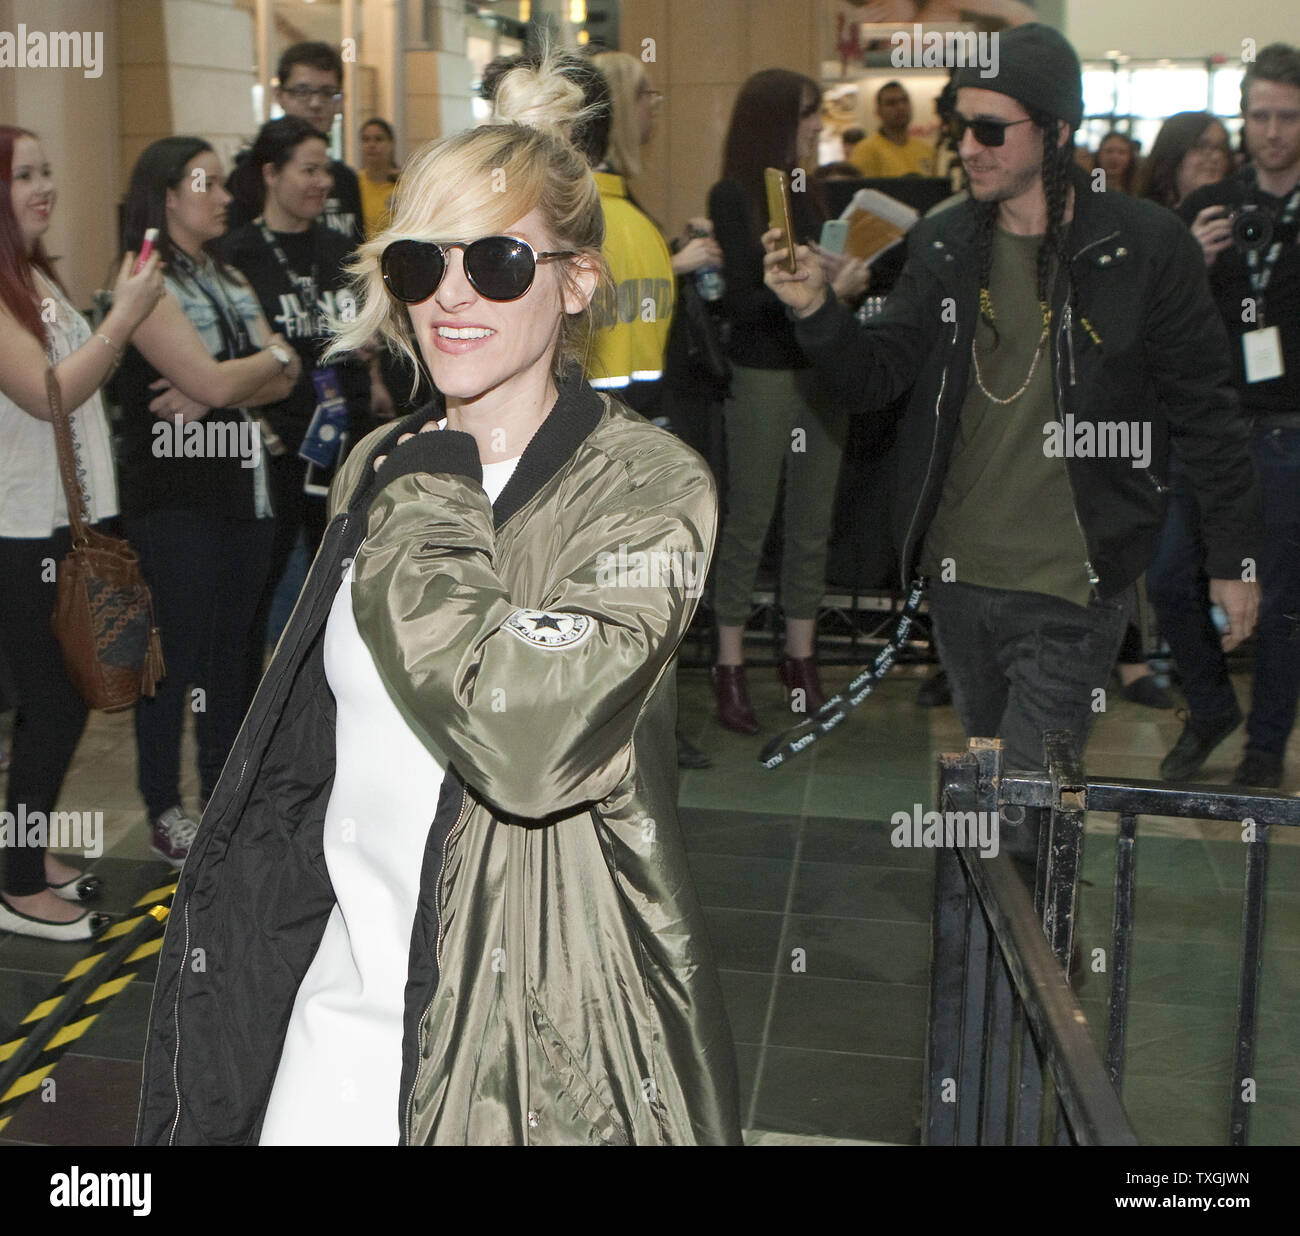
{"points": [[473, 345], [31, 191], [301, 186]]}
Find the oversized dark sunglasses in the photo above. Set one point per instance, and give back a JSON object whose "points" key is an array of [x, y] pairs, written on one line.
{"points": [[987, 132], [498, 267]]}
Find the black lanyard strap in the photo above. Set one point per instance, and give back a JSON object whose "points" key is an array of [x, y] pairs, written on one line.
{"points": [[290, 277], [831, 713], [1262, 273], [234, 336]]}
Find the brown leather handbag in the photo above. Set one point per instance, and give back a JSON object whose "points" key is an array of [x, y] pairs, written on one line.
{"points": [[103, 612]]}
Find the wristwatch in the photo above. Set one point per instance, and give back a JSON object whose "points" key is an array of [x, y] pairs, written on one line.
{"points": [[281, 353]]}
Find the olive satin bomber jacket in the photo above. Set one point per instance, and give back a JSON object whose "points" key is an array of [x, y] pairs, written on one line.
{"points": [[561, 985]]}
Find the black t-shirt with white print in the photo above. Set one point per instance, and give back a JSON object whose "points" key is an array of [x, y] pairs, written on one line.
{"points": [[287, 313]]}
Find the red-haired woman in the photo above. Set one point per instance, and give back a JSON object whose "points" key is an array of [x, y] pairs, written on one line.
{"points": [[38, 328]]}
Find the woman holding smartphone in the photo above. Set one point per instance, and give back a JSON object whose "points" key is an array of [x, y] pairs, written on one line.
{"points": [[39, 328], [444, 861], [779, 415], [194, 479]]}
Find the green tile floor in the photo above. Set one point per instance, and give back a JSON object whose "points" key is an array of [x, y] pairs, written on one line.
{"points": [[821, 930], [799, 858]]}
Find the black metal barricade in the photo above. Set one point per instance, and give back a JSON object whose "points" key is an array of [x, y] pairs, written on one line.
{"points": [[985, 987], [1009, 1058]]}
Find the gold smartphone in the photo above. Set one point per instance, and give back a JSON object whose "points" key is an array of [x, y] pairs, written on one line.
{"points": [[779, 211]]}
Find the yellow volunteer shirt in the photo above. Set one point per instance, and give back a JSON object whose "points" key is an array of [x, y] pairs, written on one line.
{"points": [[876, 157], [376, 197], [632, 321]]}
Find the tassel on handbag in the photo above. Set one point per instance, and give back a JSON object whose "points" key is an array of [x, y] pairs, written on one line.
{"points": [[103, 612]]}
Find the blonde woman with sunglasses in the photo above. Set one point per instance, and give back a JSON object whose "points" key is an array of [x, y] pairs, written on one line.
{"points": [[441, 888]]}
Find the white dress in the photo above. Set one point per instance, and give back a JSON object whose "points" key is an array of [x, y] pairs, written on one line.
{"points": [[340, 1070]]}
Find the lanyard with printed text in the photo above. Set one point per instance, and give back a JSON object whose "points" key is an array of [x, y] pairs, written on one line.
{"points": [[294, 279]]}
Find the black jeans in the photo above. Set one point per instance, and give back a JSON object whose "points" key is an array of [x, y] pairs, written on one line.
{"points": [[50, 715], [207, 574], [295, 512], [1022, 663], [1180, 593]]}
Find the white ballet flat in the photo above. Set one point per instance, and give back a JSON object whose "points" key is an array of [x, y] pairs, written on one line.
{"points": [[87, 927]]}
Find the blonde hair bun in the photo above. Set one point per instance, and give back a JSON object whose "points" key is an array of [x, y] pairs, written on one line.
{"points": [[546, 93]]}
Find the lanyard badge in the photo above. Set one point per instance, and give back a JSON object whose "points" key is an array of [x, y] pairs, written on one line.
{"points": [[328, 423]]}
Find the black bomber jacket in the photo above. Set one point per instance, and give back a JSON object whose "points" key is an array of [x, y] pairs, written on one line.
{"points": [[1157, 351]]}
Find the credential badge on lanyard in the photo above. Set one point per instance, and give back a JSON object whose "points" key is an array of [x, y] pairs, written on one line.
{"points": [[328, 423], [1261, 348]]}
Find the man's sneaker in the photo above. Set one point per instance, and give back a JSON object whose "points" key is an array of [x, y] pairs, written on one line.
{"points": [[1194, 746], [173, 834], [1259, 770]]}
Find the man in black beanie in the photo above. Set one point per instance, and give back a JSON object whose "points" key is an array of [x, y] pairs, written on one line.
{"points": [[1054, 339]]}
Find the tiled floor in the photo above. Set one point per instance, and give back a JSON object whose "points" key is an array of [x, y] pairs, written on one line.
{"points": [[821, 930]]}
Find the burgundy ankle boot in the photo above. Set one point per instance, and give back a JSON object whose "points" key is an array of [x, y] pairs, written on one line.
{"points": [[734, 709], [801, 672]]}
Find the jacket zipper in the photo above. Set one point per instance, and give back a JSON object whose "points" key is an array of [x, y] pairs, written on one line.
{"points": [[437, 952], [176, 1021], [185, 908], [934, 449], [1067, 325]]}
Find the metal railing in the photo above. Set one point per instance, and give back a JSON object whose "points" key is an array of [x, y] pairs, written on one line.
{"points": [[1009, 1058], [975, 780]]}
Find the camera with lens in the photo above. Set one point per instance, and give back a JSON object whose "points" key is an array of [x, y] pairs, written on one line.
{"points": [[1252, 228]]}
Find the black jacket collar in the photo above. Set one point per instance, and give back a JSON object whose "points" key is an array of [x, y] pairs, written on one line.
{"points": [[577, 411], [1095, 218]]}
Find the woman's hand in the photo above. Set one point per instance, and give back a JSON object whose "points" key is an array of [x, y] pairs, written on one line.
{"points": [[853, 279], [293, 370], [804, 290], [135, 295], [427, 427], [171, 403], [696, 254]]}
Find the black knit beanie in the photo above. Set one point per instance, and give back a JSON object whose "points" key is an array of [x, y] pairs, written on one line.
{"points": [[1036, 66]]}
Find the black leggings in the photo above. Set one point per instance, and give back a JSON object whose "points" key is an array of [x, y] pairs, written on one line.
{"points": [[50, 714]]}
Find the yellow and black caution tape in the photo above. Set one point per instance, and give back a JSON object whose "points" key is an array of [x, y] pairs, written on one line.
{"points": [[58, 1021]]}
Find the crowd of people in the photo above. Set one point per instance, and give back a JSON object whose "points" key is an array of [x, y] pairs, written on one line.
{"points": [[470, 373]]}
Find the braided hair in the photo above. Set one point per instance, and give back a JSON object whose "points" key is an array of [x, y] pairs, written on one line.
{"points": [[1056, 174]]}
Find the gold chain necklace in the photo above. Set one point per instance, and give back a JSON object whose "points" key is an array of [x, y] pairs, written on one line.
{"points": [[986, 307]]}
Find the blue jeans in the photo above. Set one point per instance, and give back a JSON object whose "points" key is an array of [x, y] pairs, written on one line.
{"points": [[1179, 591]]}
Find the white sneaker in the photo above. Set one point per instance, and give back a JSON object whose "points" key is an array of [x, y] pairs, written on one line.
{"points": [[173, 834]]}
